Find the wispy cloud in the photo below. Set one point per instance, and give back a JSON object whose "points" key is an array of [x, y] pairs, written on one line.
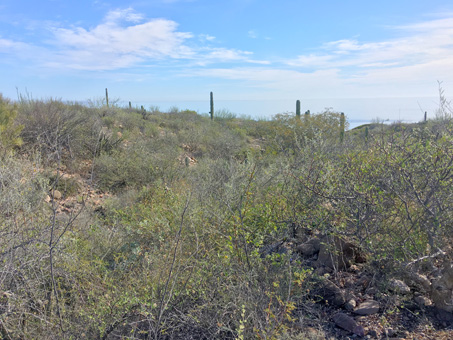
{"points": [[422, 43], [122, 40], [206, 37], [347, 67], [352, 68], [126, 39], [8, 46]]}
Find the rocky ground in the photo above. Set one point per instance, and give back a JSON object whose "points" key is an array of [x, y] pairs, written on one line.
{"points": [[352, 298]]}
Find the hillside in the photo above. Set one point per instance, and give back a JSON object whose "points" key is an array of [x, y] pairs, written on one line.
{"points": [[131, 224]]}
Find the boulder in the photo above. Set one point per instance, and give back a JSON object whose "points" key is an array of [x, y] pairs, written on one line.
{"points": [[422, 301], [367, 307], [421, 282], [310, 247], [347, 323], [333, 294], [442, 289], [338, 254], [399, 286]]}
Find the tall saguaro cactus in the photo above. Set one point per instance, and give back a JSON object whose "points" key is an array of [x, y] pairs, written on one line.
{"points": [[298, 109], [212, 106], [107, 97], [342, 124]]}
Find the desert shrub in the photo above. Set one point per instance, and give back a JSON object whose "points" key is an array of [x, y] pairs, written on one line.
{"points": [[122, 169], [22, 187], [292, 134], [9, 129], [56, 129], [24, 226], [391, 197]]}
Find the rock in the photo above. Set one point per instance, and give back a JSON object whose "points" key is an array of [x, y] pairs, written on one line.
{"points": [[367, 307], [423, 301], [338, 254], [333, 294], [389, 332], [306, 249], [347, 323], [310, 247], [56, 194], [373, 334], [442, 289], [399, 286], [364, 281], [444, 316], [422, 281], [350, 305]]}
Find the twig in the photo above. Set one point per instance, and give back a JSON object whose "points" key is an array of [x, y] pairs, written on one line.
{"points": [[440, 252]]}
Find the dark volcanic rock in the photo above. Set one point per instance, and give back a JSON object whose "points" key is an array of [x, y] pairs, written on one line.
{"points": [[346, 322]]}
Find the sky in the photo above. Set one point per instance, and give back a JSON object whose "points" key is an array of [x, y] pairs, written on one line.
{"points": [[370, 59]]}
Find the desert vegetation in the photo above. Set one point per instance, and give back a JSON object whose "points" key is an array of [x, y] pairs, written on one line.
{"points": [[118, 223]]}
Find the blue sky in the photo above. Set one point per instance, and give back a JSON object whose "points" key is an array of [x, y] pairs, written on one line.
{"points": [[267, 52]]}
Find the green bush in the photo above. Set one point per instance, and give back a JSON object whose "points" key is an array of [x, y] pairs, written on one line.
{"points": [[9, 129]]}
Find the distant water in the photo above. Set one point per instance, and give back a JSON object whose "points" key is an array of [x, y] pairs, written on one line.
{"points": [[358, 110]]}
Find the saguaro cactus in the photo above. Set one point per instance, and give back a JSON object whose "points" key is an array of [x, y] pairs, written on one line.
{"points": [[212, 106], [366, 134], [342, 124], [107, 97], [298, 109]]}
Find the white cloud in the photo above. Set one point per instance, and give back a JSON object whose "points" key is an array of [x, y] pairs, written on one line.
{"points": [[127, 14], [311, 60], [7, 46], [422, 54], [113, 45], [125, 39], [423, 43], [206, 37], [224, 54]]}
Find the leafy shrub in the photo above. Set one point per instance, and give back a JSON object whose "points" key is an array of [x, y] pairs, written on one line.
{"points": [[9, 130]]}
